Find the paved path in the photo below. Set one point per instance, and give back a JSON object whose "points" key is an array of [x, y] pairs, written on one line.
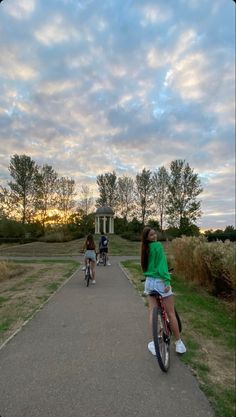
{"points": [[85, 355]]}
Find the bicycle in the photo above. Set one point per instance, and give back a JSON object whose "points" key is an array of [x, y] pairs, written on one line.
{"points": [[162, 332], [102, 258], [88, 275]]}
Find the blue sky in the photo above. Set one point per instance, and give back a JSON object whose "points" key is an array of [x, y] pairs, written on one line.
{"points": [[93, 86]]}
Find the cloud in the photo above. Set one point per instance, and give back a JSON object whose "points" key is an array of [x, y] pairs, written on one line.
{"points": [[20, 10], [133, 84]]}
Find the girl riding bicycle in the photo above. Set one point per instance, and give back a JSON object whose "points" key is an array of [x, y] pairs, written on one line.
{"points": [[90, 253], [155, 269]]}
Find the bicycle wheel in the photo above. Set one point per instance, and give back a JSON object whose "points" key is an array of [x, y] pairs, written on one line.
{"points": [[104, 259], [178, 320], [87, 275], [161, 337]]}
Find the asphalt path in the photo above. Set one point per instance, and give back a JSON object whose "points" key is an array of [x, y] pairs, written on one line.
{"points": [[84, 354]]}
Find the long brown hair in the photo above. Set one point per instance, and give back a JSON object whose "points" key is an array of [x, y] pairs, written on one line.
{"points": [[90, 245], [145, 248]]}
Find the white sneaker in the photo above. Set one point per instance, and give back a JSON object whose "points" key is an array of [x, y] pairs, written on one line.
{"points": [[97, 262], [93, 281], [84, 267], [179, 346], [151, 348], [108, 264]]}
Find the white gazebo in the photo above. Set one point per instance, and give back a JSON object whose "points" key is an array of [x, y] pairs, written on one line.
{"points": [[104, 220]]}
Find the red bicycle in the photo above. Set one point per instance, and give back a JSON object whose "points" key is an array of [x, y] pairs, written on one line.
{"points": [[162, 332]]}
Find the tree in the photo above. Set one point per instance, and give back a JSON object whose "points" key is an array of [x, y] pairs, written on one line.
{"points": [[184, 188], [230, 229], [23, 170], [45, 184], [107, 186], [125, 195], [7, 204], [87, 201], [144, 194], [160, 192], [65, 195]]}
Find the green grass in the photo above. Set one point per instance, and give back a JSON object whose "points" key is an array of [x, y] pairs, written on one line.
{"points": [[208, 326], [121, 247]]}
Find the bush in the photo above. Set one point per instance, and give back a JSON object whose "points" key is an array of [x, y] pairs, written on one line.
{"points": [[133, 237], [211, 265]]}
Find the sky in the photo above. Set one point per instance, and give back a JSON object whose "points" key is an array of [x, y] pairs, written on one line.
{"points": [[93, 86]]}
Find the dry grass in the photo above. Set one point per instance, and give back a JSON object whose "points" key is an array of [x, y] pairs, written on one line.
{"points": [[9, 270], [25, 288], [211, 265]]}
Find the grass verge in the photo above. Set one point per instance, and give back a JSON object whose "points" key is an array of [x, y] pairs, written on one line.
{"points": [[209, 333], [23, 294]]}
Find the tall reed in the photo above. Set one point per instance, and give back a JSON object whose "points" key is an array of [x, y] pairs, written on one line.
{"points": [[211, 265]]}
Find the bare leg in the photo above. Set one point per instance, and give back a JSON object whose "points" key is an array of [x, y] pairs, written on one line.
{"points": [[93, 263], [151, 303], [170, 309]]}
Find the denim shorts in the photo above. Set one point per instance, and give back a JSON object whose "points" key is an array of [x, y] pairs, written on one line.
{"points": [[152, 284], [90, 254]]}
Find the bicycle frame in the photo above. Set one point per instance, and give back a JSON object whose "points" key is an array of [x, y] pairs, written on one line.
{"points": [[161, 306]]}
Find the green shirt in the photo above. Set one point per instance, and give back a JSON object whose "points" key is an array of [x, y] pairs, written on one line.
{"points": [[157, 264]]}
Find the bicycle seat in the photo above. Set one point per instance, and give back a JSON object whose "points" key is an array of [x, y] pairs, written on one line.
{"points": [[155, 293]]}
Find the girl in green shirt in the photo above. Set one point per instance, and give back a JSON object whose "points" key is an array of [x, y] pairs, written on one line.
{"points": [[155, 269]]}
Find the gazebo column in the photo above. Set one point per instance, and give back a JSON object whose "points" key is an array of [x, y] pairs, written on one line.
{"points": [[112, 224], [104, 224], [98, 224]]}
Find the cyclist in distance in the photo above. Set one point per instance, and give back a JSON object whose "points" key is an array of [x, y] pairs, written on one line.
{"points": [[90, 253], [155, 270], [103, 247]]}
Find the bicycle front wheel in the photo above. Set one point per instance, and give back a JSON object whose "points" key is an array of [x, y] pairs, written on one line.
{"points": [[161, 337], [178, 320]]}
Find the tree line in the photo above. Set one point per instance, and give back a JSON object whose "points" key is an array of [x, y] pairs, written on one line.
{"points": [[38, 194], [171, 196]]}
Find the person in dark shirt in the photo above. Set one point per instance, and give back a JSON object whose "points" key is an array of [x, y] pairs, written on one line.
{"points": [[103, 247]]}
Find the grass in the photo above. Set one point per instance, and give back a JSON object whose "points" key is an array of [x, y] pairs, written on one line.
{"points": [[208, 323], [22, 295], [209, 333], [117, 246]]}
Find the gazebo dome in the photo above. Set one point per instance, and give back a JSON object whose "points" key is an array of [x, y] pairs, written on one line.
{"points": [[104, 210]]}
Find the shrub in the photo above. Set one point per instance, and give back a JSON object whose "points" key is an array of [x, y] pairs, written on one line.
{"points": [[133, 237]]}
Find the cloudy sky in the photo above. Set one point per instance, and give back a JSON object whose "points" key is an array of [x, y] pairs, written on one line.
{"points": [[93, 86]]}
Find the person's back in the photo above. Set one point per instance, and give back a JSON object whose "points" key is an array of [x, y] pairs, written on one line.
{"points": [[103, 247], [103, 243]]}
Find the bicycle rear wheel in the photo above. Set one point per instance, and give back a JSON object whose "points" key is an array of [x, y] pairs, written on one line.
{"points": [[87, 275], [161, 337]]}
